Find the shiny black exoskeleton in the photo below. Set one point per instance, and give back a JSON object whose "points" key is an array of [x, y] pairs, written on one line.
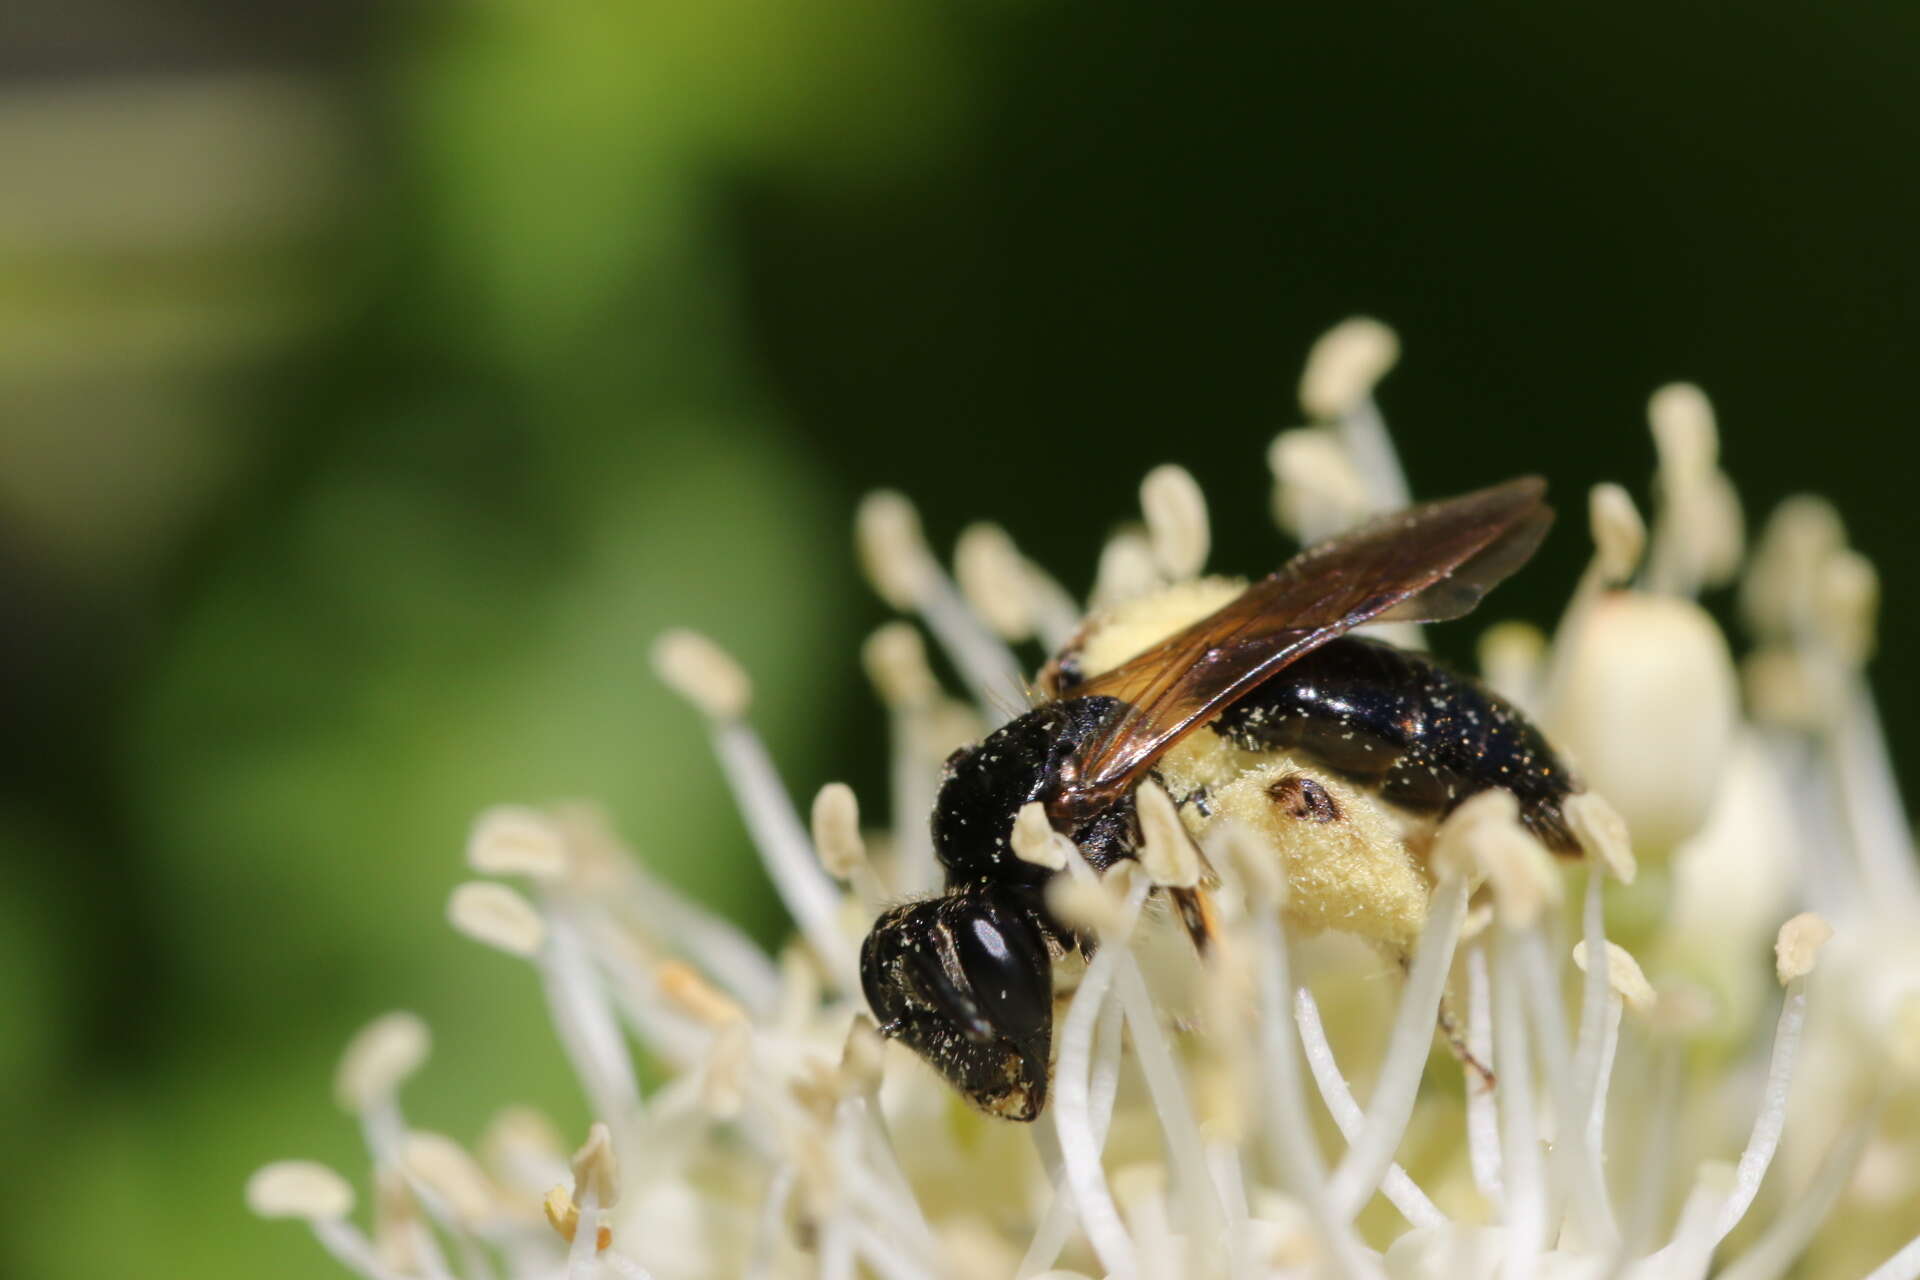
{"points": [[965, 979], [1425, 737]]}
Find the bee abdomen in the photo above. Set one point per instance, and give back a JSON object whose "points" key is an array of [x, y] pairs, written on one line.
{"points": [[1424, 737]]}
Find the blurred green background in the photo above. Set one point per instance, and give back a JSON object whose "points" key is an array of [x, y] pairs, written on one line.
{"points": [[375, 381]]}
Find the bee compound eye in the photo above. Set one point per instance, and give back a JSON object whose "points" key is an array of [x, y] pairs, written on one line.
{"points": [[1006, 963], [905, 980]]}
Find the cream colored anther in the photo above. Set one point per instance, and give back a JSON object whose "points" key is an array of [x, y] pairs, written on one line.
{"points": [[497, 916], [1345, 364], [892, 548], [1167, 852], [379, 1059], [703, 673], [836, 830], [299, 1189], [1798, 945], [1176, 514], [995, 580], [1034, 839], [1624, 975]]}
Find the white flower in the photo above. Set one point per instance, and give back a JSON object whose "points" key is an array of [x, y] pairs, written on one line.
{"points": [[1613, 1116]]}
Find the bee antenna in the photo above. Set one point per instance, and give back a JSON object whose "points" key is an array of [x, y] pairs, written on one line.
{"points": [[1006, 707]]}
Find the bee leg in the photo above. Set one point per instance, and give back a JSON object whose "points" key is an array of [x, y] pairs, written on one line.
{"points": [[1456, 1033], [1195, 906]]}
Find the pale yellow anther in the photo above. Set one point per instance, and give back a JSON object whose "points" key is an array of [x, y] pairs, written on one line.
{"points": [[1128, 569], [1484, 836], [299, 1189], [1624, 975], [697, 997], [1345, 364], [1798, 944], [896, 660], [703, 673], [836, 830], [893, 551], [1684, 431], [1701, 531], [443, 1166], [1603, 833], [512, 840], [1167, 853], [1619, 533], [596, 1173], [862, 1056], [1034, 839], [379, 1059], [1317, 491], [498, 916], [1850, 604], [1176, 514], [995, 580], [1781, 593], [563, 1215]]}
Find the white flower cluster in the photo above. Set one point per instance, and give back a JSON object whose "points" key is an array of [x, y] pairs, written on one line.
{"points": [[1674, 1115]]}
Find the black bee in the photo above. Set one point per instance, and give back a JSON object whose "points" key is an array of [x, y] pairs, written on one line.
{"points": [[965, 978]]}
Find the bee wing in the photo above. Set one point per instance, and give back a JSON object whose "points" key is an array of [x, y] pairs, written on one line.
{"points": [[1429, 563]]}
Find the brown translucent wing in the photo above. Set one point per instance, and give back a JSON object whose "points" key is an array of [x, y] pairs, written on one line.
{"points": [[1428, 563]]}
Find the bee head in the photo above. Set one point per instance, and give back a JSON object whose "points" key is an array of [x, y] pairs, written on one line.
{"points": [[966, 982]]}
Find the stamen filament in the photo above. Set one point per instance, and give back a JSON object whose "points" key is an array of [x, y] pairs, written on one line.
{"points": [[1691, 1248], [1904, 1265], [768, 1223], [1363, 430], [1207, 1217], [984, 662], [1654, 1174], [1413, 1203], [1526, 1203], [1767, 1125], [1292, 1149], [350, 1248], [785, 850], [1786, 1237], [1483, 1121], [1882, 841], [715, 946], [1072, 1113], [1391, 1105], [1597, 1106], [1572, 1181], [585, 1025]]}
